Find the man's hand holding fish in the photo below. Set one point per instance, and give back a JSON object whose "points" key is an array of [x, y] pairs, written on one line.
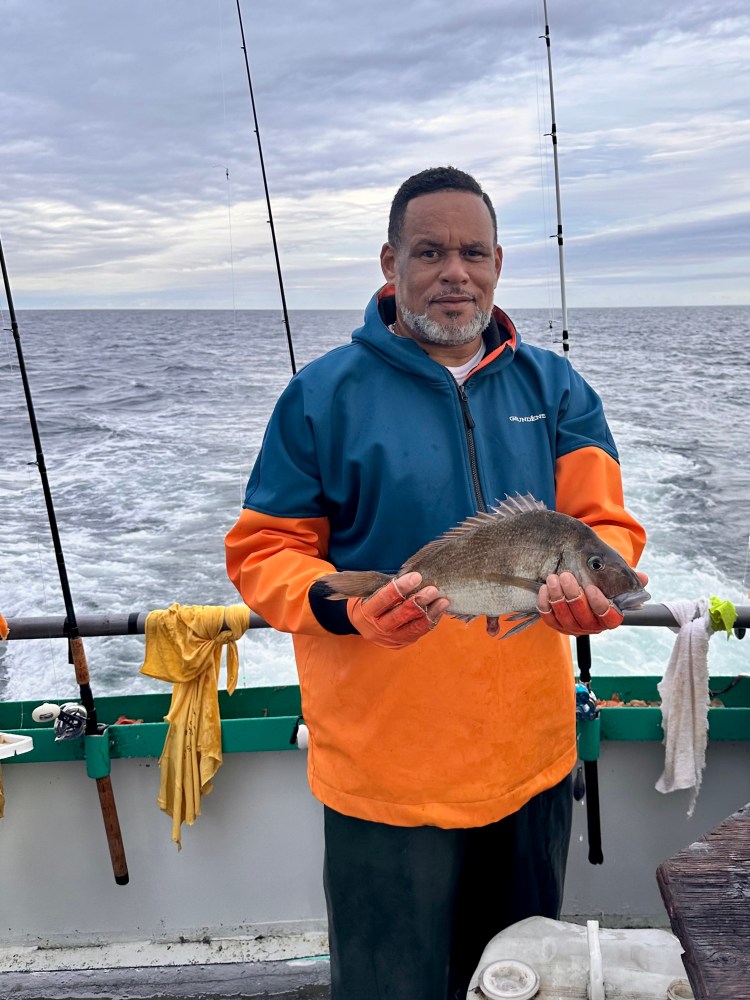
{"points": [[394, 616], [567, 608]]}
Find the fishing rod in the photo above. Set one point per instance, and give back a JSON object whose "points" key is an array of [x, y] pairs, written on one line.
{"points": [[586, 712], [553, 135], [97, 746], [268, 197]]}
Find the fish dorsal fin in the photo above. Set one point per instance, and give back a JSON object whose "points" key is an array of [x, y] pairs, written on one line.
{"points": [[503, 509], [510, 507], [517, 505]]}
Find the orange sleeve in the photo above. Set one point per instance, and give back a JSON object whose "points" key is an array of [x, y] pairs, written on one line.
{"points": [[273, 562], [588, 485]]}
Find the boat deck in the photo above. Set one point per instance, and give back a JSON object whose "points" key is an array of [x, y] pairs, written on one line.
{"points": [[300, 979]]}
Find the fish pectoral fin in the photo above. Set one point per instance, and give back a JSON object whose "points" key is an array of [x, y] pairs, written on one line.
{"points": [[523, 582], [463, 618], [524, 619]]}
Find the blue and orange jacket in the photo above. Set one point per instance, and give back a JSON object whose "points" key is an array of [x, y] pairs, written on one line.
{"points": [[372, 451]]}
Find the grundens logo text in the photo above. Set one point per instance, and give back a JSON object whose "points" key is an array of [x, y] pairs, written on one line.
{"points": [[528, 420]]}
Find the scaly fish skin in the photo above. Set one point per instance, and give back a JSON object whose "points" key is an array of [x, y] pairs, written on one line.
{"points": [[494, 564]]}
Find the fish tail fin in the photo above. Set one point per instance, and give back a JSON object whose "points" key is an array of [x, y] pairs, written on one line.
{"points": [[352, 583]]}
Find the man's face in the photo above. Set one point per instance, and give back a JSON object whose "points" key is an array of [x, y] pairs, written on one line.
{"points": [[446, 267]]}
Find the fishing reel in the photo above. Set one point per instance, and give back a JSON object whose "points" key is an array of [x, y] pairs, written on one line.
{"points": [[586, 703], [587, 710], [70, 723], [69, 719]]}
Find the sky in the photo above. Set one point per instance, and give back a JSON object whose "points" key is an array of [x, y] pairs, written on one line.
{"points": [[130, 175]]}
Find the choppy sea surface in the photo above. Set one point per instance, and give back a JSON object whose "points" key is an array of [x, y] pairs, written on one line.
{"points": [[150, 421]]}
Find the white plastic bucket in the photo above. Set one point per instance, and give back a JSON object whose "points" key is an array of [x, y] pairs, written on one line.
{"points": [[574, 960]]}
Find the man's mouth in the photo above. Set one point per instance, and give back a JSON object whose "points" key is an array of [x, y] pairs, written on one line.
{"points": [[450, 300]]}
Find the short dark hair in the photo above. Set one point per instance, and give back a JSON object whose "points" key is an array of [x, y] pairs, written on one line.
{"points": [[426, 182]]}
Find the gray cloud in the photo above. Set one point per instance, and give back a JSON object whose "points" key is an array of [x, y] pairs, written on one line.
{"points": [[120, 120]]}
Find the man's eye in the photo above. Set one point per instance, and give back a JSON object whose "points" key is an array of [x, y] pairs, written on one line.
{"points": [[429, 254], [475, 253]]}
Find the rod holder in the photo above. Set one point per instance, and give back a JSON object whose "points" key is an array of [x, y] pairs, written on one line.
{"points": [[96, 750], [589, 739]]}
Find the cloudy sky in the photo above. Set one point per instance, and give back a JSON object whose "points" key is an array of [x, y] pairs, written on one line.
{"points": [[120, 119]]}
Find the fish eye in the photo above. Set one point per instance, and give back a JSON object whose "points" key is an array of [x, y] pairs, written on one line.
{"points": [[596, 563]]}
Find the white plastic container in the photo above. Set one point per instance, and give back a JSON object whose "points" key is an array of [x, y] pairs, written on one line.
{"points": [[575, 961], [11, 744]]}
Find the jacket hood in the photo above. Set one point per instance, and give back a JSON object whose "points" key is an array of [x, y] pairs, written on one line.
{"points": [[500, 337]]}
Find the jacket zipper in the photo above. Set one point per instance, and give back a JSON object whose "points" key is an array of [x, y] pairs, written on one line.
{"points": [[469, 428]]}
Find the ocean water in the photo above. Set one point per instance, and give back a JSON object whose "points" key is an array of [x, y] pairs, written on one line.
{"points": [[150, 422]]}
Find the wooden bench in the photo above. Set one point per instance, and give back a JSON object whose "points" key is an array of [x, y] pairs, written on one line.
{"points": [[706, 890]]}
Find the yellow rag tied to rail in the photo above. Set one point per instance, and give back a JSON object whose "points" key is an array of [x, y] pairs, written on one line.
{"points": [[723, 615], [183, 645]]}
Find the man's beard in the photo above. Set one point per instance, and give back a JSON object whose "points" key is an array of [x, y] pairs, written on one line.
{"points": [[432, 332]]}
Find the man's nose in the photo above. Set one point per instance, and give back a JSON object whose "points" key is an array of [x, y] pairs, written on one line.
{"points": [[454, 268]]}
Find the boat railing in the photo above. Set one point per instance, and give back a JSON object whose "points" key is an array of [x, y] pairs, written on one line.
{"points": [[134, 622]]}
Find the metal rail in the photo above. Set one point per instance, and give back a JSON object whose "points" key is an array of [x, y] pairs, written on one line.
{"points": [[134, 623]]}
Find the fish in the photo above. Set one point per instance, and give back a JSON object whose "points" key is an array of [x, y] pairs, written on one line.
{"points": [[493, 563]]}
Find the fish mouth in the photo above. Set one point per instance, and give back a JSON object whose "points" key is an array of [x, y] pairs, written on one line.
{"points": [[631, 600]]}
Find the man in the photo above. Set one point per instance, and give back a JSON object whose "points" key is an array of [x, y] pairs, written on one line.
{"points": [[442, 755]]}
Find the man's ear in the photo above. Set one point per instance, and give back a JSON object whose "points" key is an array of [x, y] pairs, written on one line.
{"points": [[388, 262], [498, 262]]}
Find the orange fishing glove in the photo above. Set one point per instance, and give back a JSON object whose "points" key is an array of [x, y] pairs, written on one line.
{"points": [[566, 608], [389, 618], [576, 617]]}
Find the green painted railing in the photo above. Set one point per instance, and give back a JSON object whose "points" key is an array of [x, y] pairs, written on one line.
{"points": [[256, 719], [729, 722], [252, 719]]}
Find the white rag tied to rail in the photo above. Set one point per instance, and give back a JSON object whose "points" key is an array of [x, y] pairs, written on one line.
{"points": [[685, 699]]}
